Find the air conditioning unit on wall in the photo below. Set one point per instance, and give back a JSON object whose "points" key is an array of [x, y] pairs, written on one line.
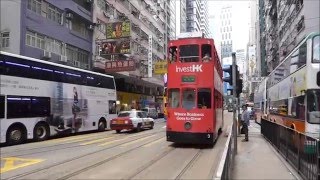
{"points": [[69, 15], [63, 58], [46, 55]]}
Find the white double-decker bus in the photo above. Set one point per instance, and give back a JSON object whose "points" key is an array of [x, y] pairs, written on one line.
{"points": [[39, 99], [293, 88], [260, 101]]}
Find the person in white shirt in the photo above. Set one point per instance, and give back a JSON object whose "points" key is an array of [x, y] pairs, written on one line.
{"points": [[245, 119]]}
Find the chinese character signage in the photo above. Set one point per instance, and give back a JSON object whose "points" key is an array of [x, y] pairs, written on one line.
{"points": [[150, 57], [118, 30], [160, 67], [117, 66], [119, 46]]}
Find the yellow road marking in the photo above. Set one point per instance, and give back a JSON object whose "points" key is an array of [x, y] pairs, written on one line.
{"points": [[70, 139], [10, 161], [117, 140], [137, 140], [154, 142], [98, 140]]}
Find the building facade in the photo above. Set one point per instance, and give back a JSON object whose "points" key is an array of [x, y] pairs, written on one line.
{"points": [[287, 23], [204, 18], [193, 15], [226, 31], [182, 5], [57, 31], [136, 33], [261, 40]]}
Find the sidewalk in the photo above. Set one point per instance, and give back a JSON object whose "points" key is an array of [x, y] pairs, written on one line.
{"points": [[257, 159]]}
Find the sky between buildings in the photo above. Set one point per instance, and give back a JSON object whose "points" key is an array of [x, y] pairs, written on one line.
{"points": [[240, 21]]}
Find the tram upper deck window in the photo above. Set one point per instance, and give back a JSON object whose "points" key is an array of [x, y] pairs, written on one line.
{"points": [[206, 52], [173, 51], [189, 53]]}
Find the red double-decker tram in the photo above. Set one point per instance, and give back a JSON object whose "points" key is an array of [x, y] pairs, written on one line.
{"points": [[195, 95]]}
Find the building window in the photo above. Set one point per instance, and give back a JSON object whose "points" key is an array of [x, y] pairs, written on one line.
{"points": [[77, 57], [102, 5], [54, 46], [5, 39], [35, 6], [102, 27], [78, 26], [35, 40], [46, 10], [54, 14]]}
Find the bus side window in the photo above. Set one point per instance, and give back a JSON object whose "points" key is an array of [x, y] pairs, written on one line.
{"points": [[112, 107], [1, 106], [206, 52]]}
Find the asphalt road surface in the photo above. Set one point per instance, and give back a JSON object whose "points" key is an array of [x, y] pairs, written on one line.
{"points": [[107, 155]]}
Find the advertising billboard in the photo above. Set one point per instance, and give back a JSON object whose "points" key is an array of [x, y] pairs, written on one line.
{"points": [[160, 67], [118, 30], [119, 46], [117, 66]]}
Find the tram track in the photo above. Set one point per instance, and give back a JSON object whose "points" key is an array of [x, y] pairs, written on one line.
{"points": [[190, 163], [86, 156], [56, 147]]}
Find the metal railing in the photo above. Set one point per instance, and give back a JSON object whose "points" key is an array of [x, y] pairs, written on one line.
{"points": [[226, 163], [300, 150]]}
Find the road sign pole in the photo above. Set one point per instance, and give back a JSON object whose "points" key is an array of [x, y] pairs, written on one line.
{"points": [[234, 80]]}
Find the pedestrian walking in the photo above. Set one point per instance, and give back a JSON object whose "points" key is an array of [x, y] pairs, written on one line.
{"points": [[245, 120]]}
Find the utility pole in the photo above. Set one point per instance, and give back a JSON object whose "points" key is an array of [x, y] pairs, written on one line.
{"points": [[234, 89]]}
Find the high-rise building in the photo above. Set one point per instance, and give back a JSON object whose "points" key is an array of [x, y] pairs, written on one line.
{"points": [[226, 31], [261, 40], [193, 15], [56, 31], [287, 23], [204, 18], [182, 5], [130, 38]]}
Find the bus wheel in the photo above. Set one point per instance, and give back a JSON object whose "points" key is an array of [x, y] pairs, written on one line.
{"points": [[152, 124], [41, 132], [16, 135], [118, 130], [101, 125]]}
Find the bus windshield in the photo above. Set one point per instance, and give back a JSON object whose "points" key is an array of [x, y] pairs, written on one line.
{"points": [[189, 53], [313, 100], [316, 50]]}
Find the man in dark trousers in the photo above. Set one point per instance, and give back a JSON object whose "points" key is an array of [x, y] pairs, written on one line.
{"points": [[245, 119]]}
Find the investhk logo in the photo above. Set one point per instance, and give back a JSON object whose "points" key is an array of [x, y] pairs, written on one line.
{"points": [[192, 68]]}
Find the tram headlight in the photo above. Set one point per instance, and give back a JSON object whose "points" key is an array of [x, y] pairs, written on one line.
{"points": [[187, 125]]}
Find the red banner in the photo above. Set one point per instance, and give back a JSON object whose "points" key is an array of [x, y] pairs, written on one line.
{"points": [[117, 66]]}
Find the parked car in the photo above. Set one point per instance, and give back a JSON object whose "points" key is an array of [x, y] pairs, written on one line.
{"points": [[131, 120], [151, 112]]}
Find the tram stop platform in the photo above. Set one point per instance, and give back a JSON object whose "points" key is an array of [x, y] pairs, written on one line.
{"points": [[258, 159]]}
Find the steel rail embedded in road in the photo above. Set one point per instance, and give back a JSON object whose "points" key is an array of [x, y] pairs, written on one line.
{"points": [[56, 147], [86, 155], [104, 161], [195, 157]]}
